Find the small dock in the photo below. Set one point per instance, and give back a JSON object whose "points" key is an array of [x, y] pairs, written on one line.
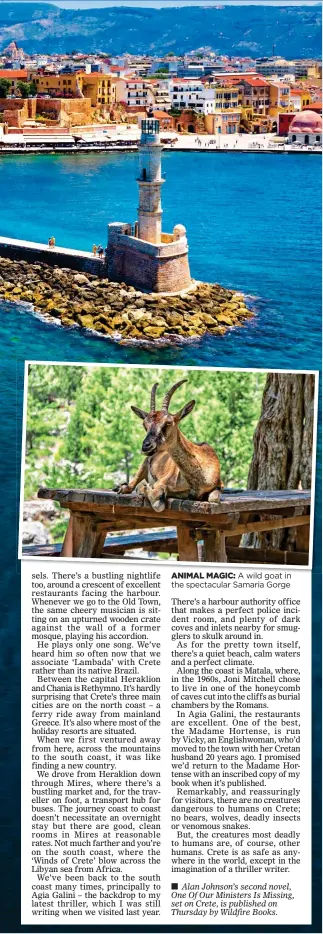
{"points": [[194, 530]]}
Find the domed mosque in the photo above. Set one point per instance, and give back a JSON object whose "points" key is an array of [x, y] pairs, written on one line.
{"points": [[306, 128]]}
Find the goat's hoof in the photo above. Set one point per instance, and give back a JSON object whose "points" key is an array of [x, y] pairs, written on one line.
{"points": [[214, 496], [123, 488], [158, 505]]}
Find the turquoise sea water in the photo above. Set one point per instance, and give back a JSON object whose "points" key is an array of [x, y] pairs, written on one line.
{"points": [[253, 223]]}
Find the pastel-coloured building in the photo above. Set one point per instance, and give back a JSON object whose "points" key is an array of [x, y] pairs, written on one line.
{"points": [[306, 128]]}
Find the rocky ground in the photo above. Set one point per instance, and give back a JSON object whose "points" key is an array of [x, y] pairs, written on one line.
{"points": [[37, 519], [117, 310]]}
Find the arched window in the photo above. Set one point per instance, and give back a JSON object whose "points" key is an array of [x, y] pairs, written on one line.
{"points": [[144, 174], [306, 139], [318, 139], [294, 139]]}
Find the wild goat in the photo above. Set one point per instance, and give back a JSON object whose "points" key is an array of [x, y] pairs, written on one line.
{"points": [[174, 466]]}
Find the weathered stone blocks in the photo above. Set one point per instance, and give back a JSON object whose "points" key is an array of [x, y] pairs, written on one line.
{"points": [[111, 309]]}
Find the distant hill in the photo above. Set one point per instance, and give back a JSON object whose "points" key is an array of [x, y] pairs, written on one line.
{"points": [[249, 30]]}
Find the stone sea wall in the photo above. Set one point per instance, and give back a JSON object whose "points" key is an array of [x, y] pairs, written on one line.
{"points": [[33, 253], [119, 311]]}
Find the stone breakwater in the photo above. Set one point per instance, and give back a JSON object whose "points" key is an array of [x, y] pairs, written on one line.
{"points": [[119, 311]]}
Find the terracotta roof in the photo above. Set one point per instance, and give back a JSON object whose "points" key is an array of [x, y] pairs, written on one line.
{"points": [[161, 114], [256, 82], [11, 73], [315, 107]]}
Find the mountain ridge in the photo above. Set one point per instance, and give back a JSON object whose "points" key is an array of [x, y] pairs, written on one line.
{"points": [[39, 27]]}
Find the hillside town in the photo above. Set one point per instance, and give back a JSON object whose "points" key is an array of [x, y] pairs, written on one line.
{"points": [[200, 98]]}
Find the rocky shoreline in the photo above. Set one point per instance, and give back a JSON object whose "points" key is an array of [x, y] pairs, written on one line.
{"points": [[117, 310]]}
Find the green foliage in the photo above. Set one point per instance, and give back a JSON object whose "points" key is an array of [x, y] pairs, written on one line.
{"points": [[26, 88], [5, 85], [82, 432]]}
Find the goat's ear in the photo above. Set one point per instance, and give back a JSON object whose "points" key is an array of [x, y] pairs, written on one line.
{"points": [[139, 412], [185, 411]]}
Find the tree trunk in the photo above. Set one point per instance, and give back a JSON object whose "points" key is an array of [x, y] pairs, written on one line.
{"points": [[283, 442]]}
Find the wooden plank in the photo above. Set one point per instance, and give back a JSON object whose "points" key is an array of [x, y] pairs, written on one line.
{"points": [[267, 525], [42, 551], [234, 554], [187, 545], [119, 517], [266, 556], [250, 500], [166, 544]]}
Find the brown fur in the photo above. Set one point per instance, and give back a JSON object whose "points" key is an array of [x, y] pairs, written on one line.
{"points": [[174, 466]]}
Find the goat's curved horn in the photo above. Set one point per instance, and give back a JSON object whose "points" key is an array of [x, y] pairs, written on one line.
{"points": [[153, 398], [170, 393]]}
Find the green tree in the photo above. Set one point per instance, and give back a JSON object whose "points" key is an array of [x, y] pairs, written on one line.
{"points": [[5, 85], [27, 88], [81, 430]]}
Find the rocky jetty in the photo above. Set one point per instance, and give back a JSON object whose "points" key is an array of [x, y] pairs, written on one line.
{"points": [[117, 310]]}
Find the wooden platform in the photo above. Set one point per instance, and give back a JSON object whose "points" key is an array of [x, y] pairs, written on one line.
{"points": [[203, 528]]}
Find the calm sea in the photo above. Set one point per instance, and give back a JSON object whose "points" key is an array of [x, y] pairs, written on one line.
{"points": [[253, 223]]}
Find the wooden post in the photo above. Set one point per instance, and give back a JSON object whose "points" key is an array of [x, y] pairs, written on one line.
{"points": [[67, 550], [187, 546], [214, 546], [88, 536]]}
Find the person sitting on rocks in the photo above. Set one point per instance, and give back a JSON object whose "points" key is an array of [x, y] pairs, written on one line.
{"points": [[51, 241]]}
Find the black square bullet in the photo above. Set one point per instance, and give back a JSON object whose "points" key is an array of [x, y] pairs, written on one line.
{"points": [[174, 885]]}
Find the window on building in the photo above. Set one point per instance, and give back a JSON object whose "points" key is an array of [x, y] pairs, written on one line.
{"points": [[318, 139]]}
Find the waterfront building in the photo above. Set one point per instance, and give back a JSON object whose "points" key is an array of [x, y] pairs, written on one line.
{"points": [[64, 85], [227, 122], [227, 98], [299, 98], [14, 76], [279, 96], [141, 254], [256, 94], [161, 92], [283, 122], [135, 92], [306, 128], [100, 88], [189, 93]]}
